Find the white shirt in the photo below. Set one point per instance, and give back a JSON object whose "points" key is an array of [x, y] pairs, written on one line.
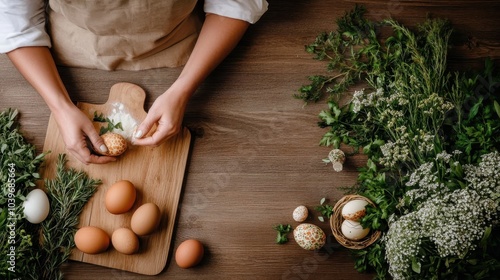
{"points": [[22, 23]]}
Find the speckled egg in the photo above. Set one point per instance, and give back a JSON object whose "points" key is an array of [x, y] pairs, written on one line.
{"points": [[354, 209], [115, 143], [309, 236], [300, 213]]}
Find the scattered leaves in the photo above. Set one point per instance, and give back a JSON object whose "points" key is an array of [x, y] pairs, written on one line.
{"points": [[325, 210], [282, 231]]}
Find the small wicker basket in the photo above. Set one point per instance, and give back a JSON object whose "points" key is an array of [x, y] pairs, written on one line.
{"points": [[336, 224]]}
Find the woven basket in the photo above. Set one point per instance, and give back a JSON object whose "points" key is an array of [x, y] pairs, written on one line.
{"points": [[336, 224]]}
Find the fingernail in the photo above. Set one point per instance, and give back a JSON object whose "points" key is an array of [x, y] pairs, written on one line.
{"points": [[138, 134], [103, 148]]}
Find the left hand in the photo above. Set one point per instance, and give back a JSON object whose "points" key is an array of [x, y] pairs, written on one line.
{"points": [[167, 113]]}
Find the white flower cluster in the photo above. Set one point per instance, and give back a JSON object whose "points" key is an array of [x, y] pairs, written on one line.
{"points": [[452, 220], [361, 99], [399, 150], [434, 102], [425, 141], [485, 178], [402, 243], [395, 152]]}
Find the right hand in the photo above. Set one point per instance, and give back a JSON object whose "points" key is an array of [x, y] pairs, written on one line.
{"points": [[75, 128]]}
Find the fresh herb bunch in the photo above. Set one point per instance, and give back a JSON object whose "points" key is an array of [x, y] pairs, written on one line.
{"points": [[39, 250], [68, 193], [19, 156], [413, 116]]}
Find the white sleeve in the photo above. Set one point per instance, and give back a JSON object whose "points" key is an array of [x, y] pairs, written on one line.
{"points": [[22, 24], [247, 10]]}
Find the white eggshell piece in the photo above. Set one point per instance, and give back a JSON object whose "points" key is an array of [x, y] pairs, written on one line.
{"points": [[300, 213], [36, 206], [354, 230], [354, 209], [309, 236]]}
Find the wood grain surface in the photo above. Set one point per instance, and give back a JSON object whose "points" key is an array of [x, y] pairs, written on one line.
{"points": [[157, 174], [255, 153]]}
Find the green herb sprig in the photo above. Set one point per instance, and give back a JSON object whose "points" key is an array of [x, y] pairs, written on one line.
{"points": [[110, 125], [324, 209], [282, 233]]}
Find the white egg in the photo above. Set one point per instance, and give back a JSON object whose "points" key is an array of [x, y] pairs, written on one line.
{"points": [[36, 206], [354, 230], [300, 213], [354, 209]]}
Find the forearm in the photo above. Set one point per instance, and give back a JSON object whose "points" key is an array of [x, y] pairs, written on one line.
{"points": [[38, 68], [218, 37]]}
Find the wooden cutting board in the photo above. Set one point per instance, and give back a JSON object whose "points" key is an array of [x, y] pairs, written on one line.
{"points": [[156, 172]]}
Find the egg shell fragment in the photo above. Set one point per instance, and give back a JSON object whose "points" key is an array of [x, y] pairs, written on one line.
{"points": [[189, 253], [91, 240], [300, 213], [145, 219], [309, 236], [120, 197], [36, 206], [354, 230], [125, 241], [354, 210]]}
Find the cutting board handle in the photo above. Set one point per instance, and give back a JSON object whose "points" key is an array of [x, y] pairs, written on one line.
{"points": [[130, 95]]}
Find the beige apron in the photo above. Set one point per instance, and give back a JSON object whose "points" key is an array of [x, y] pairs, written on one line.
{"points": [[122, 34]]}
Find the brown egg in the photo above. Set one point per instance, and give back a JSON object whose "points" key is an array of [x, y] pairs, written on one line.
{"points": [[115, 143], [125, 241], [145, 219], [91, 240], [189, 253], [120, 197]]}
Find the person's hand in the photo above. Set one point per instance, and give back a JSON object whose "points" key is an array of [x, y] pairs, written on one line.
{"points": [[78, 132], [166, 113]]}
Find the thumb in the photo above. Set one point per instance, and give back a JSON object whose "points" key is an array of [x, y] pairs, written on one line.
{"points": [[96, 140], [144, 127]]}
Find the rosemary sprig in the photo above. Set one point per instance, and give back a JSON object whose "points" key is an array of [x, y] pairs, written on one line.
{"points": [[68, 193]]}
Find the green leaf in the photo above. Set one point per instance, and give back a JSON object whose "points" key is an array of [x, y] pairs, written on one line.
{"points": [[282, 232], [416, 266], [497, 108], [475, 109]]}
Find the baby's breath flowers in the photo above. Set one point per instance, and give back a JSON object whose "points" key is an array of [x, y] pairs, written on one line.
{"points": [[436, 216]]}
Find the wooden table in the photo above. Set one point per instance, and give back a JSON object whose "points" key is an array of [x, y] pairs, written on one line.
{"points": [[255, 154]]}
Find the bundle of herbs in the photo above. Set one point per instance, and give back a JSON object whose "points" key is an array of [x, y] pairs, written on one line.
{"points": [[431, 137], [18, 174], [31, 251]]}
